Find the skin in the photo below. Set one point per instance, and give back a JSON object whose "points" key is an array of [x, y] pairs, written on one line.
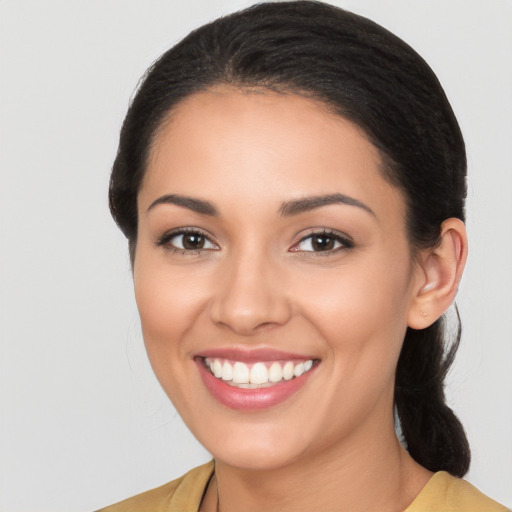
{"points": [[257, 283]]}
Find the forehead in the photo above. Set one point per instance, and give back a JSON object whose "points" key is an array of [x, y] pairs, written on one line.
{"points": [[227, 142]]}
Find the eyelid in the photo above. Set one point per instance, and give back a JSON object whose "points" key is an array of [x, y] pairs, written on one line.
{"points": [[345, 241], [164, 239]]}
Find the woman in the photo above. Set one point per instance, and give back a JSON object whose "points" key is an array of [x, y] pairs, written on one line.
{"points": [[291, 180]]}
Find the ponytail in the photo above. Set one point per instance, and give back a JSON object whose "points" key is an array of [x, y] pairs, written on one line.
{"points": [[434, 436]]}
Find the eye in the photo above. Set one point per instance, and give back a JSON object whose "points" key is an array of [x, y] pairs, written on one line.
{"points": [[187, 240], [323, 241]]}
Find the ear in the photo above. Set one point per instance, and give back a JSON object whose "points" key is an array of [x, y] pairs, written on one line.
{"points": [[439, 274]]}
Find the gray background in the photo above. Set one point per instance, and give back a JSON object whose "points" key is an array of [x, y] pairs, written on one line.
{"points": [[83, 422]]}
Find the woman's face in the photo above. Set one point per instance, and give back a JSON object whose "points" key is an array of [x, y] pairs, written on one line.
{"points": [[270, 244]]}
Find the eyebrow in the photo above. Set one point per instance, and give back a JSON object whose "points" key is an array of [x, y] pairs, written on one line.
{"points": [[287, 209], [196, 205], [307, 204]]}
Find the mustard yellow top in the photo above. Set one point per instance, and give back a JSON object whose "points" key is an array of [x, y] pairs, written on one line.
{"points": [[443, 493]]}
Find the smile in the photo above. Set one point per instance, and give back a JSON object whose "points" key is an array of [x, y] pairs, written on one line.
{"points": [[256, 375], [254, 380]]}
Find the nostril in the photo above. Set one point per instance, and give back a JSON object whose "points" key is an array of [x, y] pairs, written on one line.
{"points": [[246, 320], [251, 297]]}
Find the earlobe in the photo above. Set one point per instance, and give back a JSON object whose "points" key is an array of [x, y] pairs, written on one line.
{"points": [[439, 274]]}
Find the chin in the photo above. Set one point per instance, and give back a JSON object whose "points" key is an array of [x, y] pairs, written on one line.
{"points": [[257, 445], [255, 458]]}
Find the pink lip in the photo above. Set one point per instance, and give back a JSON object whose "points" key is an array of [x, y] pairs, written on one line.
{"points": [[250, 399], [252, 355]]}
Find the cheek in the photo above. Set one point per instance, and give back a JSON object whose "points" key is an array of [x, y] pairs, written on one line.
{"points": [[168, 301], [169, 305], [361, 318], [361, 312]]}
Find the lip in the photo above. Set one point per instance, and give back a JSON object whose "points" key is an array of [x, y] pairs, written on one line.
{"points": [[252, 355], [251, 399]]}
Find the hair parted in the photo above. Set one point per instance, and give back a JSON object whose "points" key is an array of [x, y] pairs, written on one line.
{"points": [[366, 74]]}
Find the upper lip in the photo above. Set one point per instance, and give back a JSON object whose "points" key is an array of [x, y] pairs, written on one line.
{"points": [[251, 354]]}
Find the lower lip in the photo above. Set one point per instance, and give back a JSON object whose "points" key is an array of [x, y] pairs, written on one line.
{"points": [[250, 399]]}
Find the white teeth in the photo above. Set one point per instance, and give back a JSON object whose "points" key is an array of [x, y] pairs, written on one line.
{"points": [[275, 372], [298, 370], [217, 368], [240, 373], [259, 374], [288, 370], [227, 371]]}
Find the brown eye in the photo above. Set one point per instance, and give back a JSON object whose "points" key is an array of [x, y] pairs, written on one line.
{"points": [[193, 241], [322, 243], [186, 240]]}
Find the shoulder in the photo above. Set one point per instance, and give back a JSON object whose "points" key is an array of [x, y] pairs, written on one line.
{"points": [[183, 494], [445, 492]]}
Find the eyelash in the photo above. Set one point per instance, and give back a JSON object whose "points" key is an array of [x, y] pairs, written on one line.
{"points": [[343, 241], [165, 241]]}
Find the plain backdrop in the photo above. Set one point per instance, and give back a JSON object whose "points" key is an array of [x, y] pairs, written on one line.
{"points": [[83, 422]]}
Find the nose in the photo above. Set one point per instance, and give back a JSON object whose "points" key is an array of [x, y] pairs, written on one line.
{"points": [[251, 296]]}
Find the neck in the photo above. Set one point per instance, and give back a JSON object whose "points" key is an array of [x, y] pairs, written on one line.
{"points": [[368, 476]]}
